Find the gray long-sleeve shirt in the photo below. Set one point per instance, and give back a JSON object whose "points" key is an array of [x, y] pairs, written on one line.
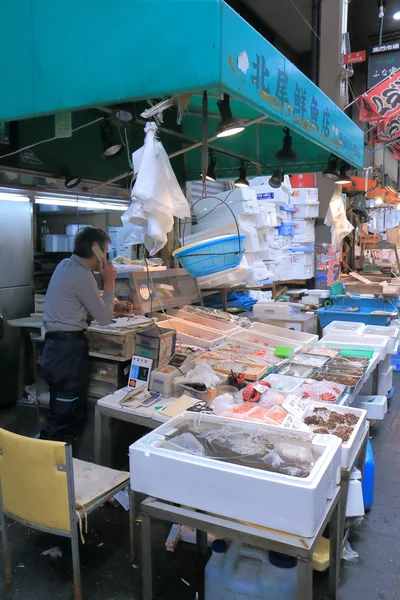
{"points": [[72, 294]]}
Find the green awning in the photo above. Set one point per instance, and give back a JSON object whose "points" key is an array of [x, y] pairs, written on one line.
{"points": [[70, 55]]}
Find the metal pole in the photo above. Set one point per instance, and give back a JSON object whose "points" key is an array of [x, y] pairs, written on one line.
{"points": [[315, 23]]}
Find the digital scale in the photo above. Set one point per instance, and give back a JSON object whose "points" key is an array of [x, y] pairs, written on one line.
{"points": [[162, 379]]}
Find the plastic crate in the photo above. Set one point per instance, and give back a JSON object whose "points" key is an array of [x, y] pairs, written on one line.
{"points": [[286, 228], [396, 364], [331, 313]]}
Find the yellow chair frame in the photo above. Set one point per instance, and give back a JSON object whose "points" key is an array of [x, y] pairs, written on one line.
{"points": [[75, 515]]}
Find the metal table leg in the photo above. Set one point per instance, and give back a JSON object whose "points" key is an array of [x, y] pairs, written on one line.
{"points": [[342, 504], [132, 526], [336, 544], [21, 363], [304, 579], [201, 542], [146, 558], [102, 438]]}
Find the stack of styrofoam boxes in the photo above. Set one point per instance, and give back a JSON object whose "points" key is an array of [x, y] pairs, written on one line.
{"points": [[277, 256], [215, 219], [306, 206]]}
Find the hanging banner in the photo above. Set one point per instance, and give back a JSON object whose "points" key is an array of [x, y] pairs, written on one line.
{"points": [[381, 103]]}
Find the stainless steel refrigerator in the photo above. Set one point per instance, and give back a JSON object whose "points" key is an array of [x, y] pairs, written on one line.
{"points": [[16, 288]]}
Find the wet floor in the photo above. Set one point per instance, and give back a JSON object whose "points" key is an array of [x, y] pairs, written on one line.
{"points": [[108, 574]]}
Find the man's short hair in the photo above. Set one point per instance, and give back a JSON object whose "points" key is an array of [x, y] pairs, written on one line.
{"points": [[85, 238]]}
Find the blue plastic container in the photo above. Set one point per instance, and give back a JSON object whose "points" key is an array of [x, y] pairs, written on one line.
{"points": [[327, 314], [286, 228], [211, 256], [368, 481], [366, 304]]}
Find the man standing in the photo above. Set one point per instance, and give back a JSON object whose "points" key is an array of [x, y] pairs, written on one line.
{"points": [[72, 294]]}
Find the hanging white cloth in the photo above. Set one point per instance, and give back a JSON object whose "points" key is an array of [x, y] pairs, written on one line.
{"points": [[156, 196]]}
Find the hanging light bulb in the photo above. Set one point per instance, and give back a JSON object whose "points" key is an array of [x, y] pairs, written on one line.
{"points": [[343, 177], [228, 124], [242, 181], [276, 180], [111, 147], [286, 154], [331, 172], [212, 165], [378, 201]]}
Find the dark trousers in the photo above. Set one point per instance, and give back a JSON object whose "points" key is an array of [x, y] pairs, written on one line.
{"points": [[65, 366]]}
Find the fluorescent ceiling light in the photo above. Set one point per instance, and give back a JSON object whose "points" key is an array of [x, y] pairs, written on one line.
{"points": [[13, 197], [97, 205], [396, 16]]}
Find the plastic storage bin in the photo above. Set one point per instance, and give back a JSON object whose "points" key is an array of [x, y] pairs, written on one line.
{"points": [[250, 336], [331, 313], [225, 327], [368, 482], [390, 332], [193, 477], [248, 573], [304, 339], [286, 228], [187, 333]]}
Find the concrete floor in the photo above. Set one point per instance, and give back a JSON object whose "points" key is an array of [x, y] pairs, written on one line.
{"points": [[107, 573]]}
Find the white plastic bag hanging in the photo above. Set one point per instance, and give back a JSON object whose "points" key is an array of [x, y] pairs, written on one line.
{"points": [[336, 219], [156, 197]]}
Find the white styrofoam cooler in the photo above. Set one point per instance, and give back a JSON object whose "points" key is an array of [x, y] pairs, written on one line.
{"points": [[375, 405], [391, 332], [343, 340], [304, 339], [385, 381], [291, 504], [305, 195], [349, 328], [305, 211]]}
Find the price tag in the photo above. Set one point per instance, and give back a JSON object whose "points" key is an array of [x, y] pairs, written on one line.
{"points": [[294, 405], [291, 422]]}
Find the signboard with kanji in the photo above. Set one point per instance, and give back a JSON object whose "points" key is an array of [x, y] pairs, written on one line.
{"points": [[382, 65], [355, 57]]}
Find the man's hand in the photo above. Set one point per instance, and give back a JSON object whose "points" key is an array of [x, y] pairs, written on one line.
{"points": [[123, 308], [108, 273]]}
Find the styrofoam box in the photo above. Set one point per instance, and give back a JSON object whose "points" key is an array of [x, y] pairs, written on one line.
{"points": [[291, 504], [351, 447], [391, 332], [385, 381], [225, 327], [275, 308], [376, 406], [250, 335], [305, 195], [346, 327], [306, 211], [355, 500], [341, 340], [265, 193], [306, 340], [186, 333], [304, 227]]}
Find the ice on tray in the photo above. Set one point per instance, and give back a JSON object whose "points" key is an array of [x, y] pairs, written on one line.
{"points": [[321, 351], [284, 383], [309, 359], [320, 391]]}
